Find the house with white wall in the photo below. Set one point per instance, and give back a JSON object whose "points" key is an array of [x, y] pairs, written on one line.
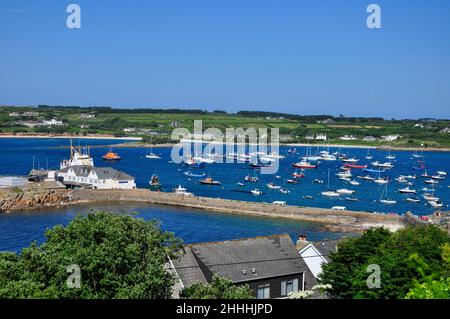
{"points": [[84, 176]]}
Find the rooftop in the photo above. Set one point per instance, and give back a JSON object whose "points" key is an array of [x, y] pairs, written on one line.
{"points": [[240, 260]]}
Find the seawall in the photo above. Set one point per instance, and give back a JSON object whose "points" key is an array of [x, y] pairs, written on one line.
{"points": [[334, 220]]}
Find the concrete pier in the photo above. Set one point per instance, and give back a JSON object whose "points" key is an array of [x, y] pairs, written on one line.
{"points": [[333, 220]]}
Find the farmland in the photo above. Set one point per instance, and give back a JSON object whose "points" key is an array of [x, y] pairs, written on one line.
{"points": [[159, 123]]}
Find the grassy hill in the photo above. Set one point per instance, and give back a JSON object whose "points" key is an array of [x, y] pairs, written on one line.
{"points": [[159, 123]]}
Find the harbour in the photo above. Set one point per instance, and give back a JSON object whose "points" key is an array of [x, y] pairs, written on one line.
{"points": [[320, 194]]}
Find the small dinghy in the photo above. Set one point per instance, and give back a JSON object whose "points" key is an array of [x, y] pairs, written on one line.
{"points": [[190, 174]]}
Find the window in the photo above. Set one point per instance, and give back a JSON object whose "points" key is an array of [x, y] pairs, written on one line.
{"points": [[263, 292], [289, 286]]}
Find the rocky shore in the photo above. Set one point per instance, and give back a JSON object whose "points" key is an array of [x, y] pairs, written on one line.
{"points": [[14, 200], [17, 200]]}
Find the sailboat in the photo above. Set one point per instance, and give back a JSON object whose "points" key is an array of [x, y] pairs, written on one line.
{"points": [[330, 193], [390, 156], [368, 156], [385, 199], [150, 154], [417, 155]]}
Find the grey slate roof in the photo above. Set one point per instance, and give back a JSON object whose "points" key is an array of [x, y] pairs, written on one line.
{"points": [[102, 172], [270, 257], [190, 271], [326, 247]]}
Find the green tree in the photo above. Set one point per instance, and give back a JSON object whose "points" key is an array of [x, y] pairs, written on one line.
{"points": [[347, 272], [219, 288], [119, 257], [432, 286]]}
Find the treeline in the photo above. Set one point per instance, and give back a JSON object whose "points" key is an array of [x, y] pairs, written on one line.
{"points": [[285, 115], [108, 109], [309, 118]]}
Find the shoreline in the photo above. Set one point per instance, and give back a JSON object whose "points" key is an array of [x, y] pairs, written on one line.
{"points": [[137, 143], [87, 137]]}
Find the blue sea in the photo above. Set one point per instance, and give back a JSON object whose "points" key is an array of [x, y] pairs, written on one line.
{"points": [[17, 157]]}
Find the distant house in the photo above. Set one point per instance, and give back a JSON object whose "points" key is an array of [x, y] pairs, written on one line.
{"points": [[87, 116], [369, 139], [321, 137], [52, 122], [309, 137], [30, 124], [348, 138], [271, 265], [445, 130], [175, 124], [129, 130], [95, 177], [327, 121], [14, 114], [390, 138], [30, 114]]}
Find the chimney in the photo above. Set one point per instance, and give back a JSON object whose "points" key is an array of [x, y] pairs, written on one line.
{"points": [[301, 242]]}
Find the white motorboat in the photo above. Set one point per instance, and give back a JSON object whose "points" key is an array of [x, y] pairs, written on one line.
{"points": [[328, 157], [182, 191], [350, 160], [436, 204], [331, 194], [431, 197], [354, 183], [345, 191], [407, 190], [256, 192], [381, 181], [273, 186], [388, 201], [382, 165]]}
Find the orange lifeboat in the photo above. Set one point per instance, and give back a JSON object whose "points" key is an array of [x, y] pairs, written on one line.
{"points": [[110, 156]]}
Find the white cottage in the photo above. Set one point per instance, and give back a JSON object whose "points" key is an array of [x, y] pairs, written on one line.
{"points": [[95, 177]]}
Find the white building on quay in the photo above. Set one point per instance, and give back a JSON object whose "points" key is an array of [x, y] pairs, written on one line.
{"points": [[79, 172], [95, 178]]}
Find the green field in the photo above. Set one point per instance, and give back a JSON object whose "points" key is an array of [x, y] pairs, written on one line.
{"points": [[293, 128]]}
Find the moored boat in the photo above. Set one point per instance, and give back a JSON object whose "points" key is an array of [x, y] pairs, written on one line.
{"points": [[304, 165], [407, 190], [182, 191], [111, 156], [209, 181], [154, 183], [355, 166], [256, 192]]}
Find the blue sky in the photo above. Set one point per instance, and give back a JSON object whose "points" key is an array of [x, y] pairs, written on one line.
{"points": [[293, 56]]}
